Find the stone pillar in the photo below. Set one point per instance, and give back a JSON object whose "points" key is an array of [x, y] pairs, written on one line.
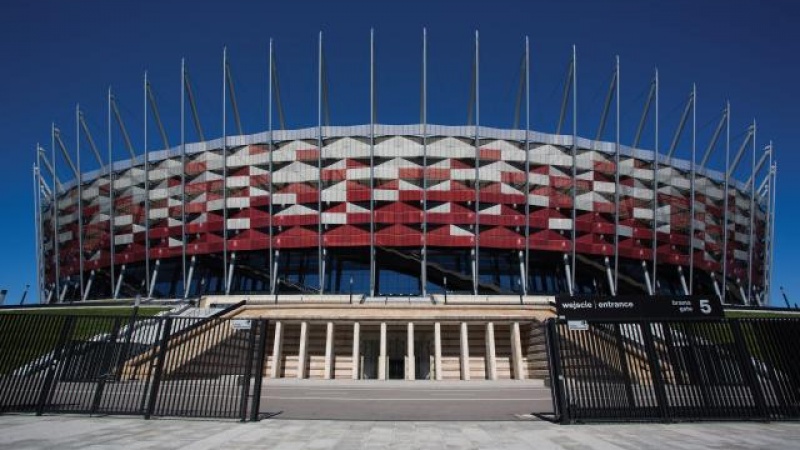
{"points": [[329, 336], [516, 352], [302, 357], [411, 371], [277, 347], [464, 351], [356, 350], [382, 355], [437, 351], [491, 360]]}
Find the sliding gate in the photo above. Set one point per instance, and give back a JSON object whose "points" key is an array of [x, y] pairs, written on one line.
{"points": [[729, 369], [162, 366]]}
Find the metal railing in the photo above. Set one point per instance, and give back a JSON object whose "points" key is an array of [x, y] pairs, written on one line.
{"points": [[153, 366], [731, 369]]}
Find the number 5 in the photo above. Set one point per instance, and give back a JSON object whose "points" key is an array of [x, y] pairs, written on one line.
{"points": [[705, 306]]}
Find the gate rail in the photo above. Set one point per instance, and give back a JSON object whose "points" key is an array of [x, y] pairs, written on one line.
{"points": [[729, 369], [148, 366]]}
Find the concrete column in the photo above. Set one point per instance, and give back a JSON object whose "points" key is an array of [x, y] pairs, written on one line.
{"points": [[410, 360], [302, 357], [329, 336], [464, 351], [356, 350], [437, 351], [277, 347], [516, 352], [382, 356], [491, 360]]}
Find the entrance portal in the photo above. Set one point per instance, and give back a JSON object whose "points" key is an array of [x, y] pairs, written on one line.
{"points": [[370, 347], [396, 353], [395, 356], [422, 359]]}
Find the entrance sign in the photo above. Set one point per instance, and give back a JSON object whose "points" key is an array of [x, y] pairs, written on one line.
{"points": [[638, 307]]}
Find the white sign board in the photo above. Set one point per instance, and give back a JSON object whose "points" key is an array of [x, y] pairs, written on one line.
{"points": [[241, 324], [577, 325]]}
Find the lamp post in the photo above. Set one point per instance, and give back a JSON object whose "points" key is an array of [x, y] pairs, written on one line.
{"points": [[351, 289], [24, 294], [445, 290], [135, 311], [519, 284], [785, 298]]}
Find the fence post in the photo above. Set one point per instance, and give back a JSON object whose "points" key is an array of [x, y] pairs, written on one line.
{"points": [[105, 366], [259, 370], [248, 370], [44, 394], [128, 336], [623, 361], [784, 393], [655, 369], [556, 375], [690, 330], [672, 353], [747, 364], [551, 367], [162, 354]]}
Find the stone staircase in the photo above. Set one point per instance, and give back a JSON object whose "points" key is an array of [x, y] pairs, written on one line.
{"points": [[535, 352]]}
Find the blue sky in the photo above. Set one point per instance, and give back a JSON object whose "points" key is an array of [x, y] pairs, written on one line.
{"points": [[57, 54]]}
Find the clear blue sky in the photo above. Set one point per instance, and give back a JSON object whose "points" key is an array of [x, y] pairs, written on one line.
{"points": [[57, 54]]}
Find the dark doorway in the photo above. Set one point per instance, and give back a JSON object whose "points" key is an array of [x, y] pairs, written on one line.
{"points": [[396, 368], [396, 354]]}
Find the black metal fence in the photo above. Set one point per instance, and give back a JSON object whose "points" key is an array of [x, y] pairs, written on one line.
{"points": [[732, 369], [155, 366]]}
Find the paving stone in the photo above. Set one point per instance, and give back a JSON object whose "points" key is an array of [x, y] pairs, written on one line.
{"points": [[100, 433]]}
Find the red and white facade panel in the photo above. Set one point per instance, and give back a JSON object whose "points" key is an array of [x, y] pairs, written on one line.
{"points": [[338, 176]]}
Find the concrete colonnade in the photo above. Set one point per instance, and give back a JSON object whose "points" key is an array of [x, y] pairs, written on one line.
{"points": [[281, 349]]}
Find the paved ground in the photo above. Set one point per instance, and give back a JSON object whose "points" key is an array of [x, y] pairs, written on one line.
{"points": [[403, 400], [73, 432], [387, 415]]}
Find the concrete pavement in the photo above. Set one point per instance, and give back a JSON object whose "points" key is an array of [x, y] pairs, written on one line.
{"points": [[74, 432]]}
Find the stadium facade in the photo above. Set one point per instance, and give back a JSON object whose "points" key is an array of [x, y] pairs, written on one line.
{"points": [[442, 226]]}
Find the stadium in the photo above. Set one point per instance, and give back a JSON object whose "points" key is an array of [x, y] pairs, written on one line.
{"points": [[383, 225], [317, 214]]}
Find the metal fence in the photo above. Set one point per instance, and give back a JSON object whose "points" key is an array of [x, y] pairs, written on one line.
{"points": [[732, 369], [155, 366]]}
